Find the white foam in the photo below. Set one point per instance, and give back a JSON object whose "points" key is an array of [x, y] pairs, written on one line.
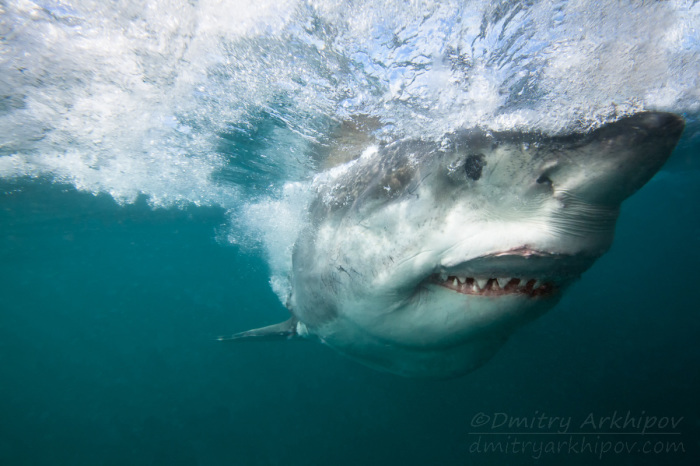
{"points": [[135, 98], [274, 223]]}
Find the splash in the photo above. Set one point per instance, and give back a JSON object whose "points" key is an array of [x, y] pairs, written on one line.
{"points": [[224, 103]]}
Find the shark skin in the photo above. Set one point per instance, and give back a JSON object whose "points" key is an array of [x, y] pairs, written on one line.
{"points": [[421, 260]]}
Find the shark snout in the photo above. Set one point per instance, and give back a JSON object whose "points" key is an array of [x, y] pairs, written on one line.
{"points": [[661, 124], [622, 158]]}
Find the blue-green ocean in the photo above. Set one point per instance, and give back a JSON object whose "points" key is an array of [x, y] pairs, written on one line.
{"points": [[150, 160]]}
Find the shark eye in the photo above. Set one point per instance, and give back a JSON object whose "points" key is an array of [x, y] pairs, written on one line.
{"points": [[544, 179], [474, 165], [546, 182]]}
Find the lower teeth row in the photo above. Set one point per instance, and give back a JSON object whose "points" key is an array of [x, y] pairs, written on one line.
{"points": [[482, 284]]}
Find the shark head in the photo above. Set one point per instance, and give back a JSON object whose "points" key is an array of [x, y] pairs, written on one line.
{"points": [[422, 260]]}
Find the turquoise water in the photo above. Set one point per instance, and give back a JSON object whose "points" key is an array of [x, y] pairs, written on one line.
{"points": [[108, 351], [153, 164]]}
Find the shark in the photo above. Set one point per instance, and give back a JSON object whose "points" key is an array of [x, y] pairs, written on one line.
{"points": [[421, 259]]}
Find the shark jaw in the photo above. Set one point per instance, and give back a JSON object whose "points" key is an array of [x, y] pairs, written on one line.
{"points": [[455, 318], [519, 272], [493, 287]]}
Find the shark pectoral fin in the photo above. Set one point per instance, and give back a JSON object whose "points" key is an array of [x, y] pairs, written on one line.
{"points": [[283, 331]]}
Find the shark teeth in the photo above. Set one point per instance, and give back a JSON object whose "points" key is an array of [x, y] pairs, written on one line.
{"points": [[500, 286]]}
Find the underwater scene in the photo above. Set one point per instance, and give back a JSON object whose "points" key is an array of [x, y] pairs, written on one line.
{"points": [[342, 232]]}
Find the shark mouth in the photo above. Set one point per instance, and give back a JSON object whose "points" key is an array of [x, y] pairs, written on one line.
{"points": [[531, 288], [525, 272]]}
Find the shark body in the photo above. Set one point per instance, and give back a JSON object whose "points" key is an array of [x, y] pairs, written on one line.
{"points": [[422, 260]]}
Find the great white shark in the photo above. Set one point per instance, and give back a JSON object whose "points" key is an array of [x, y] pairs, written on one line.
{"points": [[421, 259]]}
